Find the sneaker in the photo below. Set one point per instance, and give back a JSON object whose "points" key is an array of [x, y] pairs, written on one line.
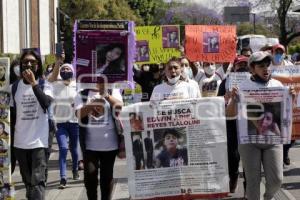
{"points": [[76, 175], [62, 184], [286, 160], [233, 185]]}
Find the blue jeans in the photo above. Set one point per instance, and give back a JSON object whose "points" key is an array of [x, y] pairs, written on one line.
{"points": [[65, 130]]}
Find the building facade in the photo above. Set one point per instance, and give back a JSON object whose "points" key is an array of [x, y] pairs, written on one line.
{"points": [[26, 24]]}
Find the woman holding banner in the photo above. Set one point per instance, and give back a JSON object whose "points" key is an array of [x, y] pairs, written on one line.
{"points": [[252, 154]]}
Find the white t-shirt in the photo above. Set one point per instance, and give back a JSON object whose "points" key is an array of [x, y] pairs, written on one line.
{"points": [[209, 86], [251, 84], [64, 102], [101, 134], [32, 128], [180, 90]]}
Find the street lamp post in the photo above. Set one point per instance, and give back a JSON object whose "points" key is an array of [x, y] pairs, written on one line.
{"points": [[254, 22]]}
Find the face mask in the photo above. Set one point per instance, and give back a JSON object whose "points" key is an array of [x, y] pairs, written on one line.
{"points": [[49, 69], [174, 80], [210, 70], [66, 75], [17, 70], [188, 72], [146, 68], [278, 58]]}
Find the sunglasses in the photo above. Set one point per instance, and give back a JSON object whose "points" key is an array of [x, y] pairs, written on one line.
{"points": [[32, 62]]}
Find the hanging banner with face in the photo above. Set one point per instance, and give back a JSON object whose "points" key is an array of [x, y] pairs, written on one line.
{"points": [[157, 44], [6, 186], [290, 76], [104, 51], [210, 43]]}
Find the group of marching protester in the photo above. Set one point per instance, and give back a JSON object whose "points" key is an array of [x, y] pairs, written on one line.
{"points": [[48, 104]]}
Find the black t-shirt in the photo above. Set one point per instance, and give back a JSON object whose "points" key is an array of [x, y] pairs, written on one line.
{"points": [[179, 159]]}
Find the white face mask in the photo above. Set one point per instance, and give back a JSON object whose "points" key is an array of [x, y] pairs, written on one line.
{"points": [[210, 70], [17, 70], [146, 68], [174, 80], [187, 71]]}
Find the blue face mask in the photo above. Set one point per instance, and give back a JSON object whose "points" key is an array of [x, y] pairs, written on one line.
{"points": [[278, 58]]}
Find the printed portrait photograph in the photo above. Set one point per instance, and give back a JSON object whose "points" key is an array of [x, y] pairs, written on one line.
{"points": [[3, 146], [138, 150], [211, 42], [264, 123], [4, 128], [4, 66], [170, 147], [136, 121], [149, 149], [4, 98], [4, 113], [111, 58], [4, 162], [142, 47], [170, 37]]}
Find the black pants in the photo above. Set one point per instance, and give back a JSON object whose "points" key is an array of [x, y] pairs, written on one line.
{"points": [[93, 160], [232, 149], [32, 163], [149, 159]]}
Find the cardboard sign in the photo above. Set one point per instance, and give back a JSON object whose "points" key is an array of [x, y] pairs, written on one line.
{"points": [[157, 44], [210, 43]]}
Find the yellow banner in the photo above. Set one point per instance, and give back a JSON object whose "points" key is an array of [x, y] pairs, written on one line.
{"points": [[157, 44]]}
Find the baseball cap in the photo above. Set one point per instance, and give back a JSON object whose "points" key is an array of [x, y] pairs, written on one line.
{"points": [[278, 46], [240, 59], [259, 56]]}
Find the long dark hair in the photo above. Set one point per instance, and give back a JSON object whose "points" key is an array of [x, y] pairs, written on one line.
{"points": [[12, 76], [3, 65], [101, 55], [33, 52]]}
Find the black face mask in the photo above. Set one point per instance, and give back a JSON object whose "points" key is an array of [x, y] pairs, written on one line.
{"points": [[66, 75], [257, 79]]}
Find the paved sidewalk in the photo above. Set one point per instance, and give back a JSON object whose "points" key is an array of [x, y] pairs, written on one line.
{"points": [[76, 191]]}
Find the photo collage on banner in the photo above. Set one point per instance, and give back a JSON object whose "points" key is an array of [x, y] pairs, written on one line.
{"points": [[267, 115], [6, 186], [290, 76], [104, 51], [176, 149], [210, 43], [157, 44]]}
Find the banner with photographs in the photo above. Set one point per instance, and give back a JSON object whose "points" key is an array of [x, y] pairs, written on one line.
{"points": [[210, 43], [265, 116], [176, 149], [6, 186], [103, 51], [235, 78], [157, 44], [290, 76]]}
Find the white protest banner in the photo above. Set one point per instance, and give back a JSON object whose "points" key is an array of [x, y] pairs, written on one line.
{"points": [[290, 76], [265, 115], [176, 149], [235, 78]]}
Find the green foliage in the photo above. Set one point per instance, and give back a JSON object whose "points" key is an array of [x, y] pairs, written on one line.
{"points": [[294, 48], [248, 28], [49, 59]]}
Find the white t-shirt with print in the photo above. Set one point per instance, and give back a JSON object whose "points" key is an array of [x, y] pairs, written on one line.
{"points": [[180, 90], [101, 133], [64, 102], [32, 128], [209, 86]]}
